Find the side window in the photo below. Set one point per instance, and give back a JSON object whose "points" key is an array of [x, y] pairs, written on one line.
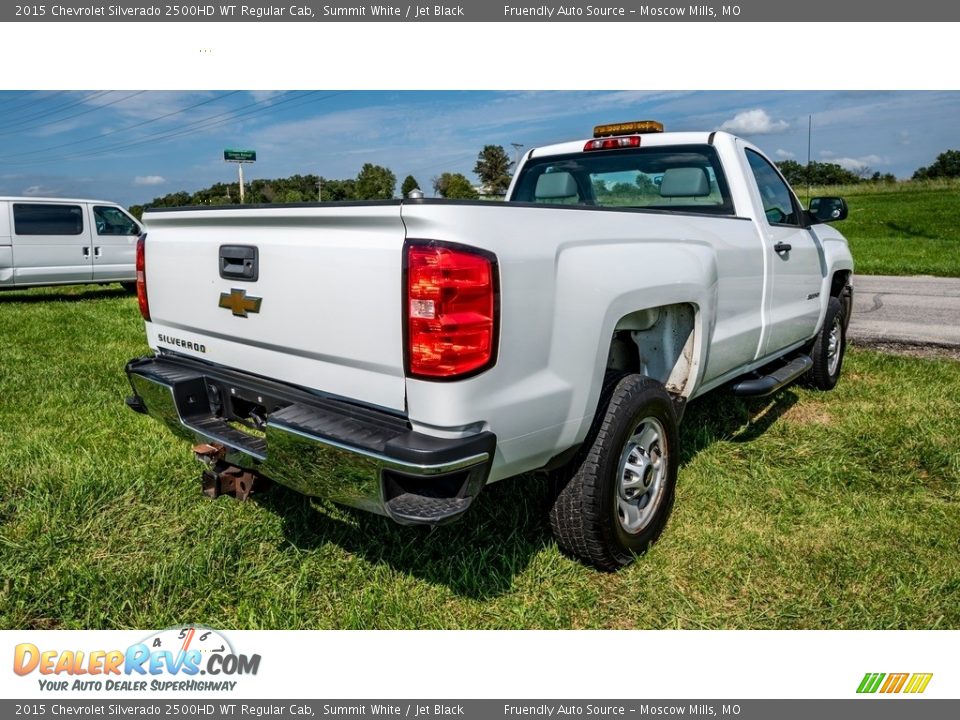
{"points": [[40, 219], [776, 196], [112, 221]]}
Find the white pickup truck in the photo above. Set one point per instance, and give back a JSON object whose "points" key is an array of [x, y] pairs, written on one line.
{"points": [[398, 356]]}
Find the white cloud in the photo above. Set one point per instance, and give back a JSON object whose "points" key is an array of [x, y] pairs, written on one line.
{"points": [[827, 153], [785, 153], [261, 95], [859, 164], [149, 180], [38, 191], [754, 122]]}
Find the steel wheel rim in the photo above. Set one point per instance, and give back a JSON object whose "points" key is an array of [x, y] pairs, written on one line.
{"points": [[641, 475], [833, 346]]}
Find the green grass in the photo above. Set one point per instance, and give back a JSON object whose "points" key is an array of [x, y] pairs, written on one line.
{"points": [[806, 510], [908, 228]]}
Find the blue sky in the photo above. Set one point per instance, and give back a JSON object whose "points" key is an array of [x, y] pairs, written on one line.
{"points": [[131, 146]]}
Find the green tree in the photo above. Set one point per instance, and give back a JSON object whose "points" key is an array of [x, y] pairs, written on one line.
{"points": [[375, 182], [409, 183], [794, 172], [493, 169], [947, 165], [454, 186], [817, 173], [646, 185], [339, 190]]}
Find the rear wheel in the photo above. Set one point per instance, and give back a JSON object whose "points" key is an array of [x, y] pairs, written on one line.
{"points": [[130, 287], [828, 348], [618, 494]]}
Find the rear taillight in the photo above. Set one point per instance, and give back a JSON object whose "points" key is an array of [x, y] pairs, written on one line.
{"points": [[451, 309], [612, 143], [142, 278]]}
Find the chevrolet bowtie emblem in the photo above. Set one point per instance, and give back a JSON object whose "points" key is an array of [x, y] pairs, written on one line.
{"points": [[237, 302]]}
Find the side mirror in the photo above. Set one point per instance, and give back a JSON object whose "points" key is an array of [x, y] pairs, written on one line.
{"points": [[826, 209]]}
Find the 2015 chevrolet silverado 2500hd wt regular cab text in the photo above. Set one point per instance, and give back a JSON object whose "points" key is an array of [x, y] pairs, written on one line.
{"points": [[398, 356]]}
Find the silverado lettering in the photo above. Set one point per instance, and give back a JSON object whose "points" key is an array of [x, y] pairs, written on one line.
{"points": [[185, 344]]}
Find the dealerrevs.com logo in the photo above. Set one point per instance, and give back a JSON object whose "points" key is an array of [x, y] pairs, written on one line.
{"points": [[910, 683], [172, 659]]}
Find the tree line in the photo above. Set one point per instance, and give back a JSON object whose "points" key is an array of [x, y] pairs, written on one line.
{"points": [[373, 182], [947, 165]]}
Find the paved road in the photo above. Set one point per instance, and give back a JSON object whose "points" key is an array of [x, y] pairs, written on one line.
{"points": [[914, 310]]}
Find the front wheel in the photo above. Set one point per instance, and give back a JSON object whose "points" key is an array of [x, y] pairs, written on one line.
{"points": [[828, 348], [619, 494]]}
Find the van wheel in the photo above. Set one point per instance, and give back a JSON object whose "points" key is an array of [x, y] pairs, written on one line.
{"points": [[130, 287], [828, 349], [620, 492]]}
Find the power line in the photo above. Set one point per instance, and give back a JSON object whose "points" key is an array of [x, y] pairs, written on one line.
{"points": [[122, 129], [198, 125], [204, 124], [190, 128], [30, 102], [47, 113]]}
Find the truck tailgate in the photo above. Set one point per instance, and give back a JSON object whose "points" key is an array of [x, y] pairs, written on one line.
{"points": [[323, 313]]}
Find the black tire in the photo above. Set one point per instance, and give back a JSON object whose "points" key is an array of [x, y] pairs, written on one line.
{"points": [[588, 516], [130, 287], [828, 360]]}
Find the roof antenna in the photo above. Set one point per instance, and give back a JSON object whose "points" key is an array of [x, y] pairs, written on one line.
{"points": [[809, 134]]}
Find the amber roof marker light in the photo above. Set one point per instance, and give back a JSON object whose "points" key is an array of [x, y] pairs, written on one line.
{"points": [[638, 127]]}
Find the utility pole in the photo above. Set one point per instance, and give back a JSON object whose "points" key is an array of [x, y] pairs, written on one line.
{"points": [[319, 188], [240, 157], [809, 137], [516, 152]]}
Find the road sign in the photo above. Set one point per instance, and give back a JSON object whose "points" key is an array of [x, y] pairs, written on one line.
{"points": [[240, 155]]}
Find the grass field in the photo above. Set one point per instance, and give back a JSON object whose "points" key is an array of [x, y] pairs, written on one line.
{"points": [[908, 228], [806, 510]]}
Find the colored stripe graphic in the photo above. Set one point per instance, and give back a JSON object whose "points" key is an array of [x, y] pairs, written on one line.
{"points": [[870, 682], [894, 682], [918, 683]]}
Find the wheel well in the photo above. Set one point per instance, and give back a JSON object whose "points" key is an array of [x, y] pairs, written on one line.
{"points": [[838, 289], [656, 342], [839, 282]]}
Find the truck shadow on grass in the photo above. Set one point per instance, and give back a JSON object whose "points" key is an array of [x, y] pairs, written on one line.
{"points": [[479, 556]]}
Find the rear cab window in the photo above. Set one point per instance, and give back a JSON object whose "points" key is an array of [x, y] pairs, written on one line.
{"points": [[679, 178]]}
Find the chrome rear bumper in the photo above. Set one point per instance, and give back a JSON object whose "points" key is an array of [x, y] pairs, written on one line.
{"points": [[322, 447]]}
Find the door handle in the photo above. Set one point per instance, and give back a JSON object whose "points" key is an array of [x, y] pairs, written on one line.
{"points": [[96, 252], [86, 252], [239, 262], [782, 247]]}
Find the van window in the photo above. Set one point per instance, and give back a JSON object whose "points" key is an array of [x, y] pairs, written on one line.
{"points": [[40, 219], [113, 221]]}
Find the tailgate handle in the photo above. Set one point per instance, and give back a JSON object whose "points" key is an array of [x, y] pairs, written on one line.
{"points": [[239, 262]]}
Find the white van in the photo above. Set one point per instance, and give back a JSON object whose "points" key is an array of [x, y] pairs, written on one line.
{"points": [[54, 241]]}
